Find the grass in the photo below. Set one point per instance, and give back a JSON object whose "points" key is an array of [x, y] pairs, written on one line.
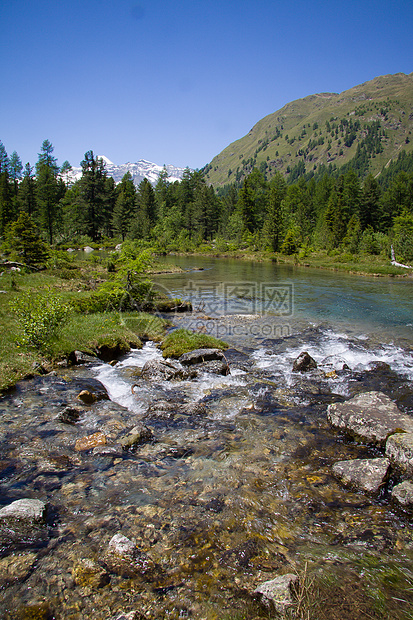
{"points": [[110, 331], [181, 341]]}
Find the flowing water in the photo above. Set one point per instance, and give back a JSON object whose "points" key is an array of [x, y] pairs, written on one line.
{"points": [[223, 501]]}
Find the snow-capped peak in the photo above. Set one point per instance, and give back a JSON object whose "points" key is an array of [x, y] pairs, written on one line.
{"points": [[106, 160]]}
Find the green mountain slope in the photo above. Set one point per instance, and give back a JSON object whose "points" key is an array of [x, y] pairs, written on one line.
{"points": [[368, 125]]}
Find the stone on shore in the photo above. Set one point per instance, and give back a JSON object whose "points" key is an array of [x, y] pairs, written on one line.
{"points": [[399, 449], [371, 416], [277, 592], [368, 475]]}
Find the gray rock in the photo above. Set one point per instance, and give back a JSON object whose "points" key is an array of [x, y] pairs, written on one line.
{"points": [[137, 436], [162, 370], [367, 475], [399, 449], [304, 363], [198, 356], [371, 416], [78, 357], [30, 510], [215, 367], [88, 249], [277, 592], [69, 415], [403, 493]]}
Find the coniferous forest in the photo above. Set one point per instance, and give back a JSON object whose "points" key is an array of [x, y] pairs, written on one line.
{"points": [[340, 214]]}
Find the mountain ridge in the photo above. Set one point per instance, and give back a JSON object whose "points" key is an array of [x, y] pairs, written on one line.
{"points": [[373, 121], [138, 170]]}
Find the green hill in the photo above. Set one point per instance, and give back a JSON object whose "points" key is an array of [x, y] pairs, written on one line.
{"points": [[368, 125]]}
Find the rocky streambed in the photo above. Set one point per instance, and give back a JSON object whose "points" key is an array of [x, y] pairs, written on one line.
{"points": [[207, 487]]}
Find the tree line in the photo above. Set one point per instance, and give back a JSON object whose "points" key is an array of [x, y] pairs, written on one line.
{"points": [[332, 212]]}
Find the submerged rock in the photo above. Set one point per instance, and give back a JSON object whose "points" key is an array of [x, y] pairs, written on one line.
{"points": [[304, 363], [88, 573], [371, 416], [90, 442], [23, 523], [367, 475], [89, 397], [165, 410], [277, 592], [124, 558], [16, 567]]}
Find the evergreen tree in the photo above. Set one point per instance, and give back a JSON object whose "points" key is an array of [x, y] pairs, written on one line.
{"points": [[24, 243], [144, 218], [92, 195], [27, 191], [4, 160], [369, 208], [125, 206], [48, 192], [273, 222]]}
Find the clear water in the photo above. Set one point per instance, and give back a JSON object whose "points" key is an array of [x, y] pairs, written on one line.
{"points": [[224, 502]]}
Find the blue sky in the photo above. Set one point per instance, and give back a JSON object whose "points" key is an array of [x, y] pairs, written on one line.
{"points": [[175, 82]]}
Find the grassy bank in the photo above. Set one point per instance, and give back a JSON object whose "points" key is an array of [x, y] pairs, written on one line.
{"points": [[91, 333]]}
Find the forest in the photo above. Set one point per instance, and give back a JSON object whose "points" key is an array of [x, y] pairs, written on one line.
{"points": [[337, 213]]}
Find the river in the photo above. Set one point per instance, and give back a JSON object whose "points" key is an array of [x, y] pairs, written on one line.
{"points": [[222, 502]]}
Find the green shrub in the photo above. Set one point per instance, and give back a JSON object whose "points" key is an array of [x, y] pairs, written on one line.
{"points": [[40, 317]]}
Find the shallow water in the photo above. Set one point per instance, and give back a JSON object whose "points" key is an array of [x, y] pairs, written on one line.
{"points": [[219, 502]]}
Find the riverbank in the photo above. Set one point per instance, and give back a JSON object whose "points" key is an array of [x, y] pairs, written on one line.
{"points": [[361, 265]]}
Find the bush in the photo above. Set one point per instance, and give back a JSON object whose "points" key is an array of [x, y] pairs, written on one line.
{"points": [[40, 317]]}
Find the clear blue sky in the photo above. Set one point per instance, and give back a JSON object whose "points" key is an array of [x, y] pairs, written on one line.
{"points": [[176, 81]]}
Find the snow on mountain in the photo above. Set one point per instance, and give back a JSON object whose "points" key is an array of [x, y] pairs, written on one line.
{"points": [[138, 170]]}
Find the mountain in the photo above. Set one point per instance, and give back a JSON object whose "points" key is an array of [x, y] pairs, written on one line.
{"points": [[368, 125], [139, 170]]}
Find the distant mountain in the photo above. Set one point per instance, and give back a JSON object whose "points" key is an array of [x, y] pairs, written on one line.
{"points": [[139, 170], [365, 127]]}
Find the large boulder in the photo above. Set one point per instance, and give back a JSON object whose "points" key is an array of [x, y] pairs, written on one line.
{"points": [[368, 475], [371, 416]]}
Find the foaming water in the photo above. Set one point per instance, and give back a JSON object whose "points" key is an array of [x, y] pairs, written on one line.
{"points": [[333, 351]]}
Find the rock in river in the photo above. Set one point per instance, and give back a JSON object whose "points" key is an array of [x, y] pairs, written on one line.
{"points": [[277, 592], [371, 416], [399, 449], [366, 474], [304, 362]]}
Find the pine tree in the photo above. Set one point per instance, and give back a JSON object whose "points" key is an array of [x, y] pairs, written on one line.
{"points": [[125, 206], [47, 189]]}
